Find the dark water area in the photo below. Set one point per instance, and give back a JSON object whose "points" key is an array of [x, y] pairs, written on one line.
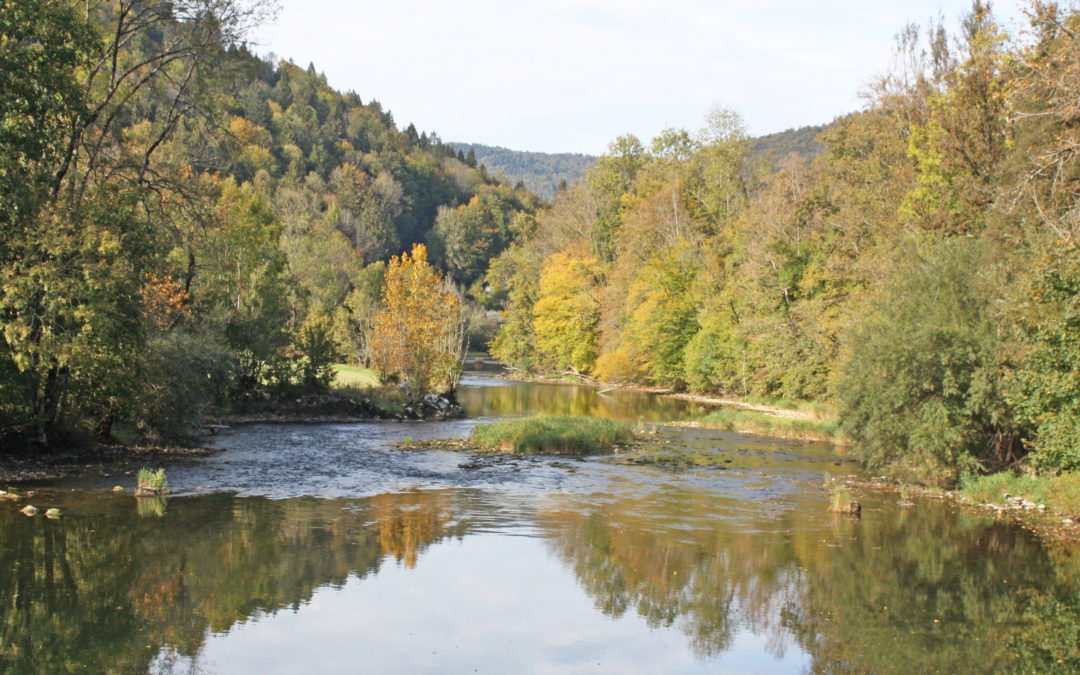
{"points": [[322, 548]]}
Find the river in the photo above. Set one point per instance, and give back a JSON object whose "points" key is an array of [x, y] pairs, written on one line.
{"points": [[324, 549]]}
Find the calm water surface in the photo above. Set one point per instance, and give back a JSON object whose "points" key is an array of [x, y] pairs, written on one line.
{"points": [[324, 549]]}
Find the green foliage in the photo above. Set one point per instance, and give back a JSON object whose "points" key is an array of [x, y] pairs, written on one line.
{"points": [[183, 378], [316, 342], [42, 46], [1047, 383], [151, 482], [548, 435], [539, 172], [924, 382]]}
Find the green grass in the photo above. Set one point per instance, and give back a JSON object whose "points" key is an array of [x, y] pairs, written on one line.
{"points": [[550, 435], [346, 376], [1059, 493], [750, 422]]}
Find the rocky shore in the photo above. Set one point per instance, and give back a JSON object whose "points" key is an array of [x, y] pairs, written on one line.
{"points": [[262, 408]]}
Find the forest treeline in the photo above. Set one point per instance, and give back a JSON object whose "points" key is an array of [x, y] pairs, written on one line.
{"points": [[182, 222], [920, 273]]}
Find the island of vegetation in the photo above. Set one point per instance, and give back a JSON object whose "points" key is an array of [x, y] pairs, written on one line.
{"points": [[187, 229]]}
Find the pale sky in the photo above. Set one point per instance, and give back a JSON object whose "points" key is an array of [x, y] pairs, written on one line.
{"points": [[571, 75]]}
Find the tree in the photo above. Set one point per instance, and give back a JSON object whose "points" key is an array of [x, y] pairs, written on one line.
{"points": [[418, 336], [567, 313], [924, 385]]}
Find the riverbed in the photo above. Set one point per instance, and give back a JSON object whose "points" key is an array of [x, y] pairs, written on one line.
{"points": [[326, 548]]}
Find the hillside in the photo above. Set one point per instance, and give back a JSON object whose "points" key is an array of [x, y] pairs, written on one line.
{"points": [[540, 172], [804, 140]]}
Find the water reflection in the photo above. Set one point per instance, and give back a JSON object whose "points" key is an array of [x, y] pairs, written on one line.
{"points": [[115, 584], [481, 399]]}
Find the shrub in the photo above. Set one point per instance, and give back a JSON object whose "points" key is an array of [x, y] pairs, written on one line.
{"points": [[924, 383], [184, 377], [316, 341]]}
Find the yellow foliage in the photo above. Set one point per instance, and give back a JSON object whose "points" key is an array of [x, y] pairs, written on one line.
{"points": [[417, 336], [567, 315]]}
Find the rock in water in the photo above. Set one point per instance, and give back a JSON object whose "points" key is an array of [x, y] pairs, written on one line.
{"points": [[29, 510]]}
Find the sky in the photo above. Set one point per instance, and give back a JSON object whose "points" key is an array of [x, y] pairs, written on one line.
{"points": [[572, 75]]}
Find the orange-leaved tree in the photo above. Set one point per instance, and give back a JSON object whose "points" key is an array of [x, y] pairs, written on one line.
{"points": [[418, 336]]}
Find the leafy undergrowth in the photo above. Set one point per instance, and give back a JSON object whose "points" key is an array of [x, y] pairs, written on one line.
{"points": [[762, 424], [552, 435]]}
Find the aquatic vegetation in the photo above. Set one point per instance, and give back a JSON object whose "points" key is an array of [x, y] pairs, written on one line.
{"points": [[552, 435], [841, 499], [150, 482]]}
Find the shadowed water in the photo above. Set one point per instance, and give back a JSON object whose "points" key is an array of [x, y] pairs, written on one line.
{"points": [[325, 549]]}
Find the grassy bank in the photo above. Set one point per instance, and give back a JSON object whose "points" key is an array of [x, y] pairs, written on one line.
{"points": [[346, 376], [1060, 494], [549, 435], [763, 424]]}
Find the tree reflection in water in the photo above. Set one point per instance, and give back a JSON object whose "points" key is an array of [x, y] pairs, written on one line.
{"points": [[924, 589]]}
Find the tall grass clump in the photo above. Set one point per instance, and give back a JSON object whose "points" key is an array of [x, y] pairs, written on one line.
{"points": [[552, 435], [841, 499], [150, 482]]}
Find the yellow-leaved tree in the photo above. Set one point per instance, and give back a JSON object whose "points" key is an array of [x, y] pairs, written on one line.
{"points": [[418, 335], [567, 314]]}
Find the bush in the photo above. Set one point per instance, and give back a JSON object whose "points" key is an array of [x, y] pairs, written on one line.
{"points": [[548, 435], [184, 377], [1047, 392], [924, 384], [316, 342]]}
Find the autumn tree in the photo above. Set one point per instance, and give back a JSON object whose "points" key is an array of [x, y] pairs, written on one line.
{"points": [[417, 337], [567, 313]]}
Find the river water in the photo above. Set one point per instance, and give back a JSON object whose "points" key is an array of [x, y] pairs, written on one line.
{"points": [[324, 549]]}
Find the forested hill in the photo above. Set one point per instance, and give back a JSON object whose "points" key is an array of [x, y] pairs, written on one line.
{"points": [[538, 171], [805, 141], [543, 172], [182, 221], [921, 274]]}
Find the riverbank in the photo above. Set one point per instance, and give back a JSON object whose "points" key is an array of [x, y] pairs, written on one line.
{"points": [[1048, 506], [801, 421], [337, 407], [110, 460], [259, 407]]}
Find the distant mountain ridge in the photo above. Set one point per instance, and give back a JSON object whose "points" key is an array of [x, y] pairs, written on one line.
{"points": [[540, 172], [803, 140]]}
